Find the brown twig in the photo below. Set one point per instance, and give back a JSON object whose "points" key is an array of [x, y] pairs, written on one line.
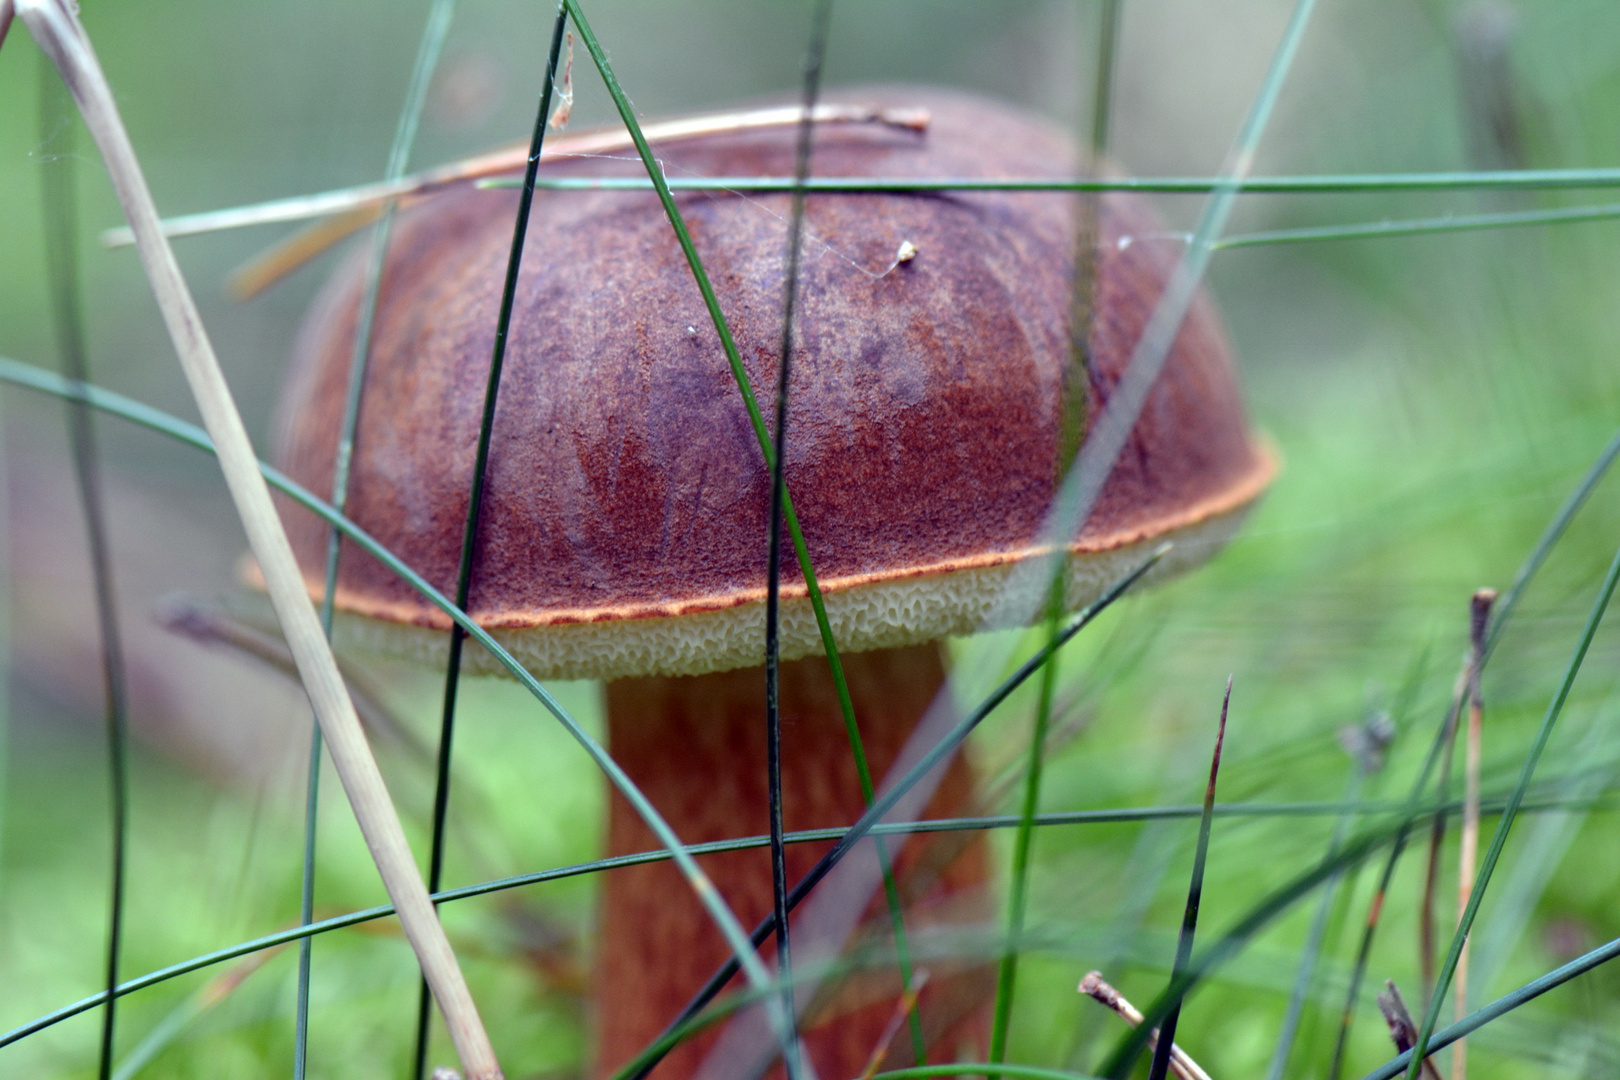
{"points": [[57, 31], [1095, 986], [1479, 622], [1401, 1027]]}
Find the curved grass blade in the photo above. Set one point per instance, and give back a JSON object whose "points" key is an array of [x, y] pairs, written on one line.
{"points": [[1499, 839], [427, 60], [1378, 731], [37, 379], [820, 21], [475, 504], [26, 375], [62, 270], [1327, 184], [1014, 1072], [354, 918], [55, 28], [1195, 893], [171, 1027]]}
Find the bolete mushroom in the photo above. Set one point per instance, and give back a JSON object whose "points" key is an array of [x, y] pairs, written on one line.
{"points": [[624, 524]]}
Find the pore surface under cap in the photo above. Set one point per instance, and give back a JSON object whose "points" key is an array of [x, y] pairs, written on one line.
{"points": [[625, 516]]}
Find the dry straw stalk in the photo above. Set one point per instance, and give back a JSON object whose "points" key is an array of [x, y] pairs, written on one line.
{"points": [[55, 27]]}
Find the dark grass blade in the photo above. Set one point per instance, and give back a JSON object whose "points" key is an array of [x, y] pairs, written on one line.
{"points": [[427, 58], [815, 55], [475, 503], [57, 128], [1505, 824], [939, 753], [37, 379], [1195, 894]]}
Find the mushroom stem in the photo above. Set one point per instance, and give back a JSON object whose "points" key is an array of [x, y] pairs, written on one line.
{"points": [[696, 746]]}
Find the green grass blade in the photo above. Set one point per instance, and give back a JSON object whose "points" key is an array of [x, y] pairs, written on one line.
{"points": [[1499, 839], [712, 303], [1501, 1007], [1549, 538], [1018, 887]]}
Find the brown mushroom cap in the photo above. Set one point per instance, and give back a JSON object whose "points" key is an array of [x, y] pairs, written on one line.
{"points": [[625, 517]]}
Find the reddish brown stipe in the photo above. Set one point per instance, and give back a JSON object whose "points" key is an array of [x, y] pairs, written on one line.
{"points": [[624, 526]]}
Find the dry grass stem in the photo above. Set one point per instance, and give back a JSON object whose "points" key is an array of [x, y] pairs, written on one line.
{"points": [[1095, 986], [511, 158], [56, 29], [1467, 857], [1437, 834], [1402, 1029]]}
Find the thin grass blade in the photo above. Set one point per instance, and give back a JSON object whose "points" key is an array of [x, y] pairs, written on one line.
{"points": [[427, 59], [821, 19], [475, 504], [60, 198], [1499, 839], [1195, 894], [55, 28]]}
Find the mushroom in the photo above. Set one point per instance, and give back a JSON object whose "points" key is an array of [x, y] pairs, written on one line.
{"points": [[624, 524]]}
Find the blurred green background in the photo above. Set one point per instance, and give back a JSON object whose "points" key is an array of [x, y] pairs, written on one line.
{"points": [[1434, 399]]}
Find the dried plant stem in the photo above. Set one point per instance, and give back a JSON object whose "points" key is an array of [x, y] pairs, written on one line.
{"points": [[1095, 986], [55, 27], [1437, 835], [1479, 622], [508, 159], [1402, 1029]]}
